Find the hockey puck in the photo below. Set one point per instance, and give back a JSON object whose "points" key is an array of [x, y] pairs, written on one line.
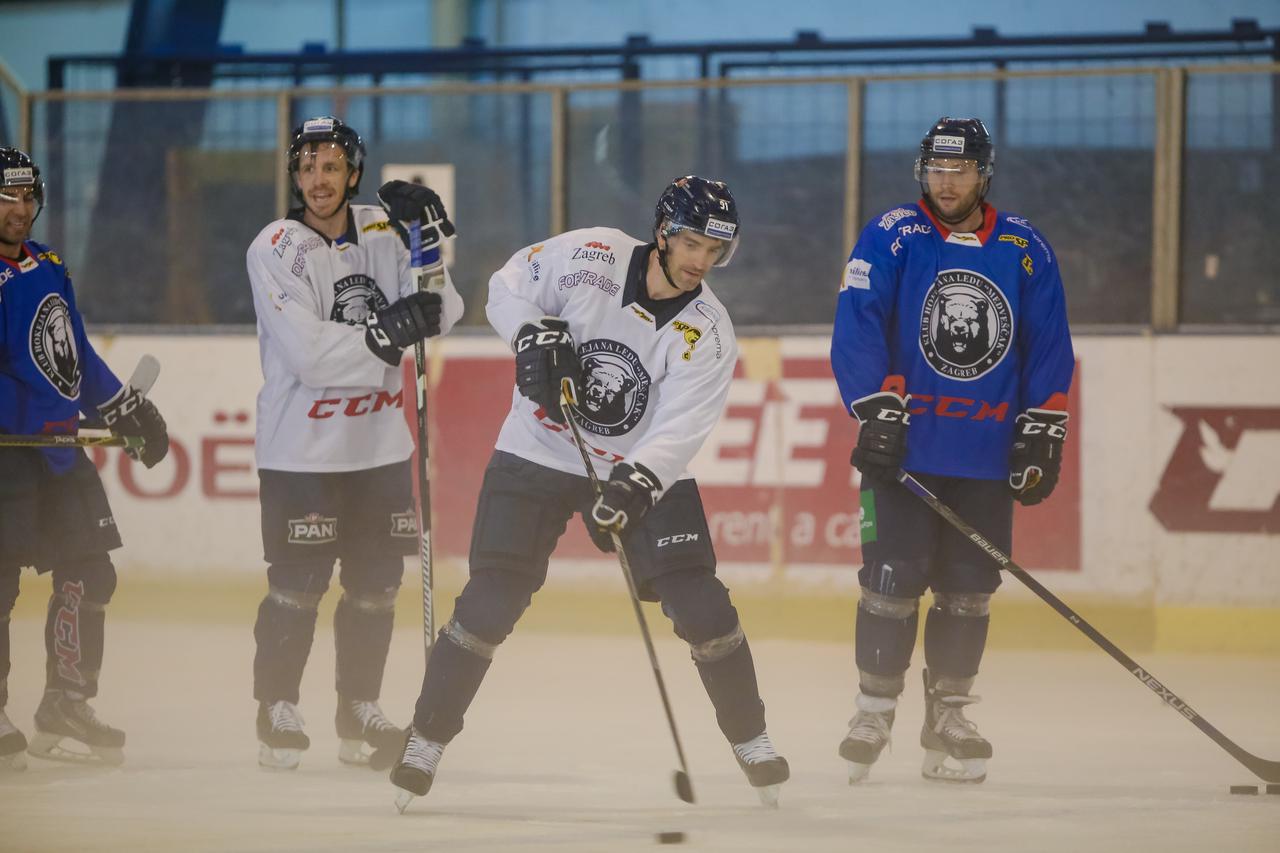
{"points": [[1273, 789], [1244, 789], [670, 837]]}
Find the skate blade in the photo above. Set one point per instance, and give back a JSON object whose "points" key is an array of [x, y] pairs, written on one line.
{"points": [[403, 798], [768, 795], [352, 753], [49, 747], [278, 759], [858, 772], [13, 762], [940, 767]]}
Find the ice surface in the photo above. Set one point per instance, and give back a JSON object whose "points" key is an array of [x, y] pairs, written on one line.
{"points": [[566, 750]]}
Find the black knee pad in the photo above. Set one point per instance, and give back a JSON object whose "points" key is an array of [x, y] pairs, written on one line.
{"points": [[492, 602], [93, 577], [698, 605], [310, 578], [955, 634]]}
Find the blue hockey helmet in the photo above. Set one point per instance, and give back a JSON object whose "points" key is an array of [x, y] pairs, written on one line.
{"points": [[323, 129], [704, 207], [17, 170]]}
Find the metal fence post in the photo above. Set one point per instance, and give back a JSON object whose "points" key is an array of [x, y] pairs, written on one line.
{"points": [[1166, 198]]}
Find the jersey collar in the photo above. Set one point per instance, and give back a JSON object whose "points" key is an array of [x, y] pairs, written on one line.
{"points": [[662, 310], [349, 236], [983, 233], [26, 258]]}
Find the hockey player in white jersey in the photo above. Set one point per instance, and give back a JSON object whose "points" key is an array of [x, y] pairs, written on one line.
{"points": [[336, 306], [652, 352]]}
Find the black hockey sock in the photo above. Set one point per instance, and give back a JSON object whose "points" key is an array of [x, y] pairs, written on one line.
{"points": [[953, 645], [449, 685], [283, 636], [362, 637], [73, 639], [731, 686], [883, 646]]}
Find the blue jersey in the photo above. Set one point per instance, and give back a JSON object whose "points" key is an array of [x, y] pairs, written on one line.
{"points": [[49, 373], [976, 323]]}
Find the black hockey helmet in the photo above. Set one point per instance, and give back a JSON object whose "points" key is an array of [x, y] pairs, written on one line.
{"points": [[17, 169], [326, 129], [956, 139], [696, 204]]}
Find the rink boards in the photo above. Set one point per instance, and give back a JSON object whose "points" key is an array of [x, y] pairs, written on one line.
{"points": [[1170, 494]]}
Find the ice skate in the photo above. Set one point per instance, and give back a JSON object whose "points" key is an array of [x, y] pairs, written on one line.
{"points": [[64, 715], [868, 734], [416, 769], [366, 738], [13, 745], [765, 769], [953, 749], [281, 740]]}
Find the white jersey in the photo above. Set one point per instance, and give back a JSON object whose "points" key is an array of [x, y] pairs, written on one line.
{"points": [[656, 373], [327, 402]]}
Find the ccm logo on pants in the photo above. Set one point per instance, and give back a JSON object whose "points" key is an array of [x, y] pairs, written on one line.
{"points": [[677, 539]]}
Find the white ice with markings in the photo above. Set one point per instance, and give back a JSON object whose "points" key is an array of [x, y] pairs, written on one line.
{"points": [[566, 750]]}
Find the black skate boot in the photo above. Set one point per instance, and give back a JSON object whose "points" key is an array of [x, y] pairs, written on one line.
{"points": [[13, 745], [63, 714], [416, 769], [281, 740], [868, 734], [765, 769], [947, 734], [362, 724]]}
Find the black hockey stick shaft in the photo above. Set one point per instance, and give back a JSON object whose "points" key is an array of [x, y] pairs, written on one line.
{"points": [[1264, 769], [683, 783], [423, 472], [130, 441]]}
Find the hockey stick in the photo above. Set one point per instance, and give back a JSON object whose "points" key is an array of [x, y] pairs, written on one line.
{"points": [[423, 280], [144, 376], [684, 786], [1268, 771]]}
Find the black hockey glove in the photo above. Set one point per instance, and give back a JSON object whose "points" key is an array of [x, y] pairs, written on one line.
{"points": [[130, 414], [882, 438], [405, 202], [1036, 457], [402, 323], [545, 355], [630, 492]]}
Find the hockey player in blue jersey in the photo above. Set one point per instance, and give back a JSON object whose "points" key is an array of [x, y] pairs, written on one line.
{"points": [[54, 513], [951, 348]]}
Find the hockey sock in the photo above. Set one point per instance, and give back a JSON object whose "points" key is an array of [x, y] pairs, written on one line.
{"points": [[884, 639], [731, 685], [283, 632], [362, 626], [953, 644], [449, 685]]}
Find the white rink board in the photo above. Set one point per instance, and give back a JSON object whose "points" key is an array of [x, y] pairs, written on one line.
{"points": [[1129, 433]]}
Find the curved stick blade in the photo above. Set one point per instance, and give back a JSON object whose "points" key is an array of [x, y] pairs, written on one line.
{"points": [[684, 787]]}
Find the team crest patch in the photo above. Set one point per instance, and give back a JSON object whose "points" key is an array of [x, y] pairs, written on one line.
{"points": [[966, 326], [53, 346], [313, 529], [355, 298], [615, 391]]}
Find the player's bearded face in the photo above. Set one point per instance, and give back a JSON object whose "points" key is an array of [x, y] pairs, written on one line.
{"points": [[690, 257], [323, 176], [17, 211], [954, 186]]}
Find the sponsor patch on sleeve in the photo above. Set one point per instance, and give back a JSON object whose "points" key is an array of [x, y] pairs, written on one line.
{"points": [[857, 275]]}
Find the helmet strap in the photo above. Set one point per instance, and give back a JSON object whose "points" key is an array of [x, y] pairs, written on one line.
{"points": [[662, 259]]}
